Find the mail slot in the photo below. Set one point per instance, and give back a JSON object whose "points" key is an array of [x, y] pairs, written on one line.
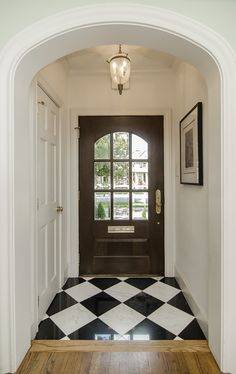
{"points": [[120, 229]]}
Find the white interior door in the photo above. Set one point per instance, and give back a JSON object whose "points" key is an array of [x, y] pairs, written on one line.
{"points": [[48, 200]]}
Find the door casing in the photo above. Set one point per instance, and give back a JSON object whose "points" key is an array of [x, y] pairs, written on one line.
{"points": [[168, 178]]}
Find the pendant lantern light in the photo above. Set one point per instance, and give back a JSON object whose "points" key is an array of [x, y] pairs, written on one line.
{"points": [[120, 69]]}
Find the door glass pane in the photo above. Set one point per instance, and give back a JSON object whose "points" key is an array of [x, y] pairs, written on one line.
{"points": [[121, 205], [121, 145], [139, 148], [140, 205], [140, 175], [121, 175], [102, 208], [102, 148], [102, 175]]}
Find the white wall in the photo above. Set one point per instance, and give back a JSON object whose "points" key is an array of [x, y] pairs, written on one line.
{"points": [[93, 92], [56, 77], [192, 249], [15, 16]]}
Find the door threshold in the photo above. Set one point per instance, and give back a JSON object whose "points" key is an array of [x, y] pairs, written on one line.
{"points": [[119, 346], [79, 356], [120, 275]]}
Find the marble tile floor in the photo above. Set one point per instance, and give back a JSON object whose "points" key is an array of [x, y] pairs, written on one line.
{"points": [[120, 309]]}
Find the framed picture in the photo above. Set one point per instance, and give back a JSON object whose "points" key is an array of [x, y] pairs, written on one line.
{"points": [[191, 158]]}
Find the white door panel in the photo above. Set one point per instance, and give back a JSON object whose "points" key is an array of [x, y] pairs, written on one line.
{"points": [[48, 200]]}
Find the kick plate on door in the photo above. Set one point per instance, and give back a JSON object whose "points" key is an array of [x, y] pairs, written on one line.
{"points": [[120, 229]]}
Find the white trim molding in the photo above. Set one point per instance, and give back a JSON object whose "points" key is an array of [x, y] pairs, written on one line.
{"points": [[196, 309], [51, 38]]}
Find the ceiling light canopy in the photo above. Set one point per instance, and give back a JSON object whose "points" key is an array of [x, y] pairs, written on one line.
{"points": [[120, 69]]}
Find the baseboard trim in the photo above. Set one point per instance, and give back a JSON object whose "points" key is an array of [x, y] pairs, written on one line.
{"points": [[192, 303]]}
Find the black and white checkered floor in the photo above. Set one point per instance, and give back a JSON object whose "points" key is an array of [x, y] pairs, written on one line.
{"points": [[120, 309]]}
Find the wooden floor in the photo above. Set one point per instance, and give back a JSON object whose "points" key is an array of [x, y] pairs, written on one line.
{"points": [[96, 357]]}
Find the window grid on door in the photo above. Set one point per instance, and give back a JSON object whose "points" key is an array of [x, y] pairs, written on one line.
{"points": [[121, 167]]}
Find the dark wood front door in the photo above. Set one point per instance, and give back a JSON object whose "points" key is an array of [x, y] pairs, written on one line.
{"points": [[121, 178]]}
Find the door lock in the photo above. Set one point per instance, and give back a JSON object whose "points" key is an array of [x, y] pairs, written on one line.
{"points": [[59, 209], [158, 202]]}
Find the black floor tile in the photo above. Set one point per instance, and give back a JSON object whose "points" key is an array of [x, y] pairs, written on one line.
{"points": [[95, 330], [192, 332], [104, 283], [48, 330], [140, 283], [144, 303], [148, 330], [180, 302], [72, 282], [171, 282], [100, 303], [61, 301]]}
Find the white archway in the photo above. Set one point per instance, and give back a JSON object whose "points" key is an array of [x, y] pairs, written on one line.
{"points": [[64, 33]]}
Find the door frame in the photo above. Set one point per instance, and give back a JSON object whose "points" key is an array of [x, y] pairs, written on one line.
{"points": [[45, 86], [169, 216]]}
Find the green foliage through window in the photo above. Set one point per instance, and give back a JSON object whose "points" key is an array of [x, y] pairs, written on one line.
{"points": [[102, 148], [101, 211], [114, 154]]}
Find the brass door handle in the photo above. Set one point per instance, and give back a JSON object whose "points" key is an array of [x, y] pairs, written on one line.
{"points": [[158, 202], [59, 209]]}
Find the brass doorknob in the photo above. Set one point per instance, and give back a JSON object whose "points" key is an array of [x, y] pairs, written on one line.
{"points": [[59, 209]]}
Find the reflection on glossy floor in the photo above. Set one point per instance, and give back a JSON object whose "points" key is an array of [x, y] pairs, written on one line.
{"points": [[120, 309]]}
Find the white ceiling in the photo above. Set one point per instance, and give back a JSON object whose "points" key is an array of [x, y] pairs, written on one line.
{"points": [[142, 59]]}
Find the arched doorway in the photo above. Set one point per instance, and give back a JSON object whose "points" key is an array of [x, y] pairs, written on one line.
{"points": [[80, 28]]}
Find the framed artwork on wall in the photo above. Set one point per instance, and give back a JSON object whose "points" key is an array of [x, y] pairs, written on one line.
{"points": [[191, 153]]}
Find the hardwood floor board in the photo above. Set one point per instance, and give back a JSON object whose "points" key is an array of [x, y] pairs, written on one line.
{"points": [[207, 362], [43, 360], [100, 362], [188, 363]]}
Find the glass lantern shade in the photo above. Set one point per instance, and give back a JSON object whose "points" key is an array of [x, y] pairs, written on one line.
{"points": [[120, 69]]}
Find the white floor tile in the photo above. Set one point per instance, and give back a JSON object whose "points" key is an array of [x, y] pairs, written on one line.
{"points": [[87, 278], [171, 318], [122, 291], [83, 291], [65, 338], [122, 318], [162, 291], [73, 318]]}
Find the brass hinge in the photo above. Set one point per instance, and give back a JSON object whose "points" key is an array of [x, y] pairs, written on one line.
{"points": [[78, 131]]}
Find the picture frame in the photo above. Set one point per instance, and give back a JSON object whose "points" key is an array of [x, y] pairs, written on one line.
{"points": [[191, 150]]}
